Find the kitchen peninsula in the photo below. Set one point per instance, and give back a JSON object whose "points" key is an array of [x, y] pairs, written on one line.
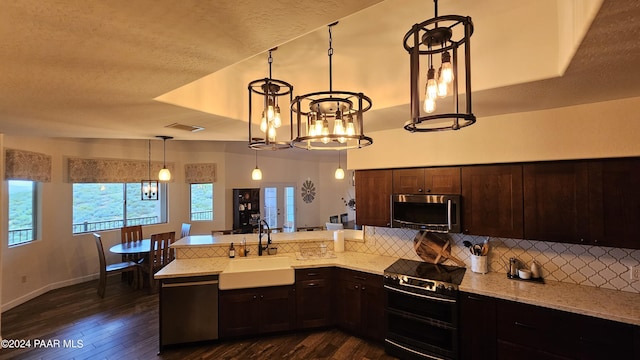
{"points": [[199, 256]]}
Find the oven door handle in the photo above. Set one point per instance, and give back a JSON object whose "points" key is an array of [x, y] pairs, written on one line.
{"points": [[413, 351], [419, 295], [449, 214]]}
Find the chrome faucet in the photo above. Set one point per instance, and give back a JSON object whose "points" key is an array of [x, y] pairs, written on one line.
{"points": [[260, 229]]}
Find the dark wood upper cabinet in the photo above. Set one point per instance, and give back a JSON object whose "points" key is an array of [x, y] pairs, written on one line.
{"points": [[614, 191], [556, 206], [593, 202], [373, 197], [492, 200], [445, 180]]}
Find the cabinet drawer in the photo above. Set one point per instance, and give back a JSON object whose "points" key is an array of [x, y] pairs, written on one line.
{"points": [[360, 277], [313, 273], [523, 324]]}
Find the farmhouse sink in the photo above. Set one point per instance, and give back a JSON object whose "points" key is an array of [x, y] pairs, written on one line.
{"points": [[242, 273]]}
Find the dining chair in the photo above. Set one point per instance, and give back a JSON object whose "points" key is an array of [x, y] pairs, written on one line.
{"points": [[105, 270], [130, 234], [160, 254], [186, 230]]}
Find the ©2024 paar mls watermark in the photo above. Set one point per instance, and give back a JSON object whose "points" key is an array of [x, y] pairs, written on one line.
{"points": [[41, 343]]}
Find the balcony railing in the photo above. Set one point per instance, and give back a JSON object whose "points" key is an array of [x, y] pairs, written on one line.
{"points": [[19, 236], [88, 226], [202, 215]]}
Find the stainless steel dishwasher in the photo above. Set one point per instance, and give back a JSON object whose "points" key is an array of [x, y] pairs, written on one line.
{"points": [[188, 310]]}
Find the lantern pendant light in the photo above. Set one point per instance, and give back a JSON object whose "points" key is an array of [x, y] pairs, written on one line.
{"points": [[149, 188], [444, 36], [342, 110], [271, 94]]}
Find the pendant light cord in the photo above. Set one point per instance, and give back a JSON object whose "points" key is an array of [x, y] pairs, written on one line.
{"points": [[149, 167]]}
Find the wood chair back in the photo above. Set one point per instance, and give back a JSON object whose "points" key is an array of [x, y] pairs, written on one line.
{"points": [[160, 252], [130, 234], [122, 267], [186, 230]]}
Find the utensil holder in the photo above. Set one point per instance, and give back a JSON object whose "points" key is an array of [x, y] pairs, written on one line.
{"points": [[479, 264]]}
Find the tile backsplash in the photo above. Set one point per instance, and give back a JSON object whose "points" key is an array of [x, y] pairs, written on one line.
{"points": [[596, 266]]}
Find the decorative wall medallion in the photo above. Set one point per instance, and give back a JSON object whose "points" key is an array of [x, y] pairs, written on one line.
{"points": [[308, 191]]}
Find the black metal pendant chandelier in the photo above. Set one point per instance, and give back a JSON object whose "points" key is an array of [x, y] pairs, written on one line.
{"points": [[445, 36], [270, 92], [342, 110]]}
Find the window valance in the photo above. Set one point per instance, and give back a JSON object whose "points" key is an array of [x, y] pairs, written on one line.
{"points": [[200, 173], [27, 165], [112, 170]]}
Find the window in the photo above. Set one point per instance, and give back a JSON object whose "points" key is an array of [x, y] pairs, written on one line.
{"points": [[23, 214], [201, 202], [276, 197], [111, 206]]}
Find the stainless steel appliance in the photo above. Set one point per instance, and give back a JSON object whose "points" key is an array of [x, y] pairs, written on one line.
{"points": [[437, 213], [188, 310], [422, 310]]}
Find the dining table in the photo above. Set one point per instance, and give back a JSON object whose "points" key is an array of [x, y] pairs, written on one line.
{"points": [[136, 247]]}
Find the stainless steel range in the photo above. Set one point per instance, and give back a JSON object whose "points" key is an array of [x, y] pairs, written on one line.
{"points": [[422, 309]]}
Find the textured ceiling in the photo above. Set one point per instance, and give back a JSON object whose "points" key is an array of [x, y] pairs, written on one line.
{"points": [[126, 69]]}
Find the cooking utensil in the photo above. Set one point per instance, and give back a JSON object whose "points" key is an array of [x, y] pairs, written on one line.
{"points": [[477, 250]]}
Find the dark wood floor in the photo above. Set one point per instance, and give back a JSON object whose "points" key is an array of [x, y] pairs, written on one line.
{"points": [[124, 325]]}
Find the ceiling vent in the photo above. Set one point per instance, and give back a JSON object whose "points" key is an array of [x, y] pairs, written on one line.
{"points": [[191, 128]]}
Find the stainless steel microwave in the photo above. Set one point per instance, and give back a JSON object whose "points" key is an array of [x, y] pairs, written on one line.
{"points": [[437, 213]]}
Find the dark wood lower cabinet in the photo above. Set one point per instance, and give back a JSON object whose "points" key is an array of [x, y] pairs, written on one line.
{"points": [[477, 327], [492, 328], [313, 297], [359, 303], [541, 333], [256, 311]]}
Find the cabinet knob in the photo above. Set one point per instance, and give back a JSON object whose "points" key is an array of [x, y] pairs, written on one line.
{"points": [[420, 190], [595, 241], [356, 287], [261, 296], [254, 297], [363, 288]]}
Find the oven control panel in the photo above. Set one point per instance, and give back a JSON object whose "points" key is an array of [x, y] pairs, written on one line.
{"points": [[438, 287]]}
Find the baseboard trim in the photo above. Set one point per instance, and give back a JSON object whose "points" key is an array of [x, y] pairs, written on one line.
{"points": [[35, 293]]}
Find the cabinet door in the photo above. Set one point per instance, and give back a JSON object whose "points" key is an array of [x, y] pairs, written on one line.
{"points": [[477, 327], [445, 180], [556, 201], [277, 309], [372, 321], [614, 190], [373, 197], [492, 200], [238, 313], [348, 304], [408, 181], [313, 298]]}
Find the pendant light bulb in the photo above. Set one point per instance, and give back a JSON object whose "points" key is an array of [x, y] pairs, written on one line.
{"points": [[277, 120], [271, 134], [351, 129], [429, 105], [446, 68], [263, 124], [443, 86], [432, 86]]}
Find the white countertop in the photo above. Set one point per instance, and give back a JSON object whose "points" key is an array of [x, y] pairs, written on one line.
{"points": [[211, 240], [586, 300]]}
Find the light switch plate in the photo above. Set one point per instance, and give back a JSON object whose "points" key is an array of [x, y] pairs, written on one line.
{"points": [[634, 272]]}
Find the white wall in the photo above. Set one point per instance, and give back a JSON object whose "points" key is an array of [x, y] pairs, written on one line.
{"points": [[59, 258], [606, 129]]}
